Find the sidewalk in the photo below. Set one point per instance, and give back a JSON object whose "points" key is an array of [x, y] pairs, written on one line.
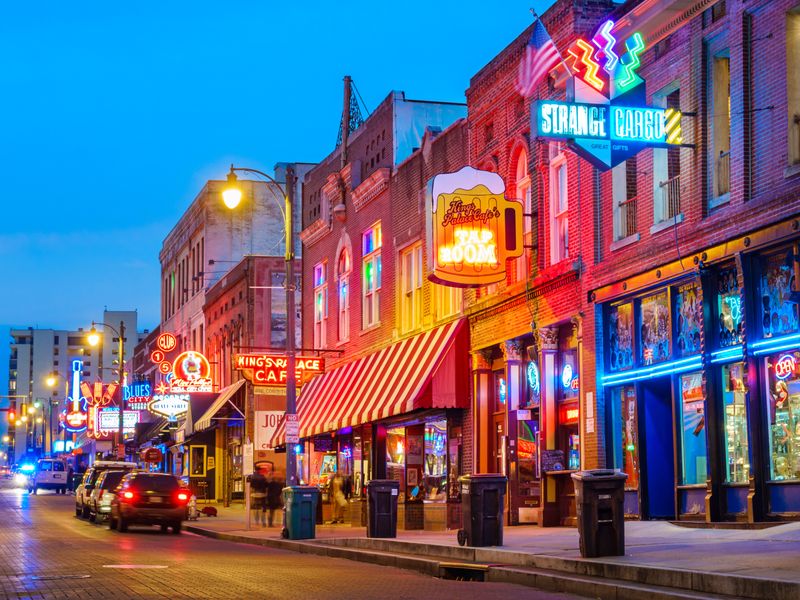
{"points": [[737, 562]]}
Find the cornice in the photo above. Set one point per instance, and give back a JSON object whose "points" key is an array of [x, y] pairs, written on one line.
{"points": [[371, 188]]}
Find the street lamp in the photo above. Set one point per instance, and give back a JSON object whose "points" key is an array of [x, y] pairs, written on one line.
{"points": [[232, 196], [93, 339]]}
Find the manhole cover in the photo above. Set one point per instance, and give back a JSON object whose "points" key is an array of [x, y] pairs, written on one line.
{"points": [[134, 566]]}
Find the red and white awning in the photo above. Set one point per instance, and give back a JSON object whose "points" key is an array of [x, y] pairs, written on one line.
{"points": [[392, 381]]}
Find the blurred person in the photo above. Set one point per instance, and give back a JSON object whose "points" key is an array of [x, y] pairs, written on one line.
{"points": [[337, 497], [258, 494], [275, 486]]}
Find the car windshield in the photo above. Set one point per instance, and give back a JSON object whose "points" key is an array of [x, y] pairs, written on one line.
{"points": [[155, 483], [112, 480], [45, 465]]}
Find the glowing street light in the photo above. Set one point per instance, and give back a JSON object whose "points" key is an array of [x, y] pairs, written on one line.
{"points": [[93, 338], [232, 195], [50, 381], [6, 439]]}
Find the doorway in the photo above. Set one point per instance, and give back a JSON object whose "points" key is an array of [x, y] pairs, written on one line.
{"points": [[658, 457]]}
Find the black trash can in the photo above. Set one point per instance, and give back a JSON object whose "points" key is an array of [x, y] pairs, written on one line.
{"points": [[382, 508], [600, 507], [482, 509], [300, 504]]}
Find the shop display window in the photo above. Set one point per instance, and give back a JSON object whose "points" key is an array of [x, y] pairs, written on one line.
{"points": [[783, 407], [569, 410], [533, 387], [689, 319], [729, 309], [655, 328], [779, 300], [396, 456], [737, 462], [694, 446], [454, 467], [626, 437], [435, 467], [197, 461], [620, 341], [528, 456]]}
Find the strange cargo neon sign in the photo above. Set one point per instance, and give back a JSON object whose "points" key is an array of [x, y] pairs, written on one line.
{"points": [[606, 119]]}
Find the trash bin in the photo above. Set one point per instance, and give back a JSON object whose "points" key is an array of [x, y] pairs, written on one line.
{"points": [[482, 509], [382, 508], [300, 506], [600, 507]]}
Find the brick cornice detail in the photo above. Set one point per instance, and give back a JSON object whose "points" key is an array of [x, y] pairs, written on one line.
{"points": [[315, 232], [370, 188]]}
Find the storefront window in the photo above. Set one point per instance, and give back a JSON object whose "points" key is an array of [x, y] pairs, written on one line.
{"points": [[568, 410], [783, 406], [655, 328], [396, 456], [779, 307], [729, 308], [528, 456], [533, 387], [689, 315], [197, 461], [436, 460], [736, 444], [694, 448], [620, 342], [626, 438]]}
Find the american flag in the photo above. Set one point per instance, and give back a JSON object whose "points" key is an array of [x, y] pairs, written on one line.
{"points": [[540, 57]]}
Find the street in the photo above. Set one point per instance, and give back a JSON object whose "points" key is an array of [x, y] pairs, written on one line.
{"points": [[48, 553]]}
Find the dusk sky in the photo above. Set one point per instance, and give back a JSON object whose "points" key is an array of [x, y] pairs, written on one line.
{"points": [[113, 116]]}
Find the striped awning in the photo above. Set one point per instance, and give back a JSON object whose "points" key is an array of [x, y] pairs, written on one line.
{"points": [[392, 381]]}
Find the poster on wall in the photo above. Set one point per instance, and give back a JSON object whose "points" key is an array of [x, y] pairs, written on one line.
{"points": [[779, 301], [655, 328], [621, 336], [266, 424], [689, 313], [693, 403]]}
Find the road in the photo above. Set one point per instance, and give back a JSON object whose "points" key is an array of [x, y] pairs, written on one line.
{"points": [[46, 552]]}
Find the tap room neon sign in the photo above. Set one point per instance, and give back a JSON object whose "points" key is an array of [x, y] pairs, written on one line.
{"points": [[605, 118]]}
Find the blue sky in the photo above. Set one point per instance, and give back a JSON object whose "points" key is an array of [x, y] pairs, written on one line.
{"points": [[113, 115]]}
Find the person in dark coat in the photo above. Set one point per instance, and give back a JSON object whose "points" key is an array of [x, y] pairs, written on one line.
{"points": [[258, 494], [275, 485]]}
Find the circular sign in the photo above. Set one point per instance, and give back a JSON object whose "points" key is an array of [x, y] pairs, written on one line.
{"points": [[166, 342], [785, 367], [151, 455], [191, 366], [566, 376], [534, 382], [165, 367], [157, 356]]}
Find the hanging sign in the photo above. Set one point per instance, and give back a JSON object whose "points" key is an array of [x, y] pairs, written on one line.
{"points": [[151, 455], [534, 381], [785, 366], [137, 395], [97, 397], [191, 372], [169, 405], [270, 369], [166, 342], [75, 415], [108, 420], [606, 120], [472, 229]]}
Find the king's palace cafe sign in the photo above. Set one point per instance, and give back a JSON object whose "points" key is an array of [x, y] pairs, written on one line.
{"points": [[605, 118], [271, 369]]}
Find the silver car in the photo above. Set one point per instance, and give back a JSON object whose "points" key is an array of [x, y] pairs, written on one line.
{"points": [[100, 497]]}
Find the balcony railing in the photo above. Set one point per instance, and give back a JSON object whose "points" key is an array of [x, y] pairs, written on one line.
{"points": [[627, 213], [723, 172], [671, 197]]}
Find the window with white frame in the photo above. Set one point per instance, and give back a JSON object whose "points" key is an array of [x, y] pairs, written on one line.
{"points": [[559, 205], [343, 268], [371, 242], [720, 121], [448, 300], [320, 304], [667, 164], [523, 193], [793, 83], [411, 288]]}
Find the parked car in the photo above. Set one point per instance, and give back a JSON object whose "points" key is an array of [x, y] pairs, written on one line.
{"points": [[149, 499], [89, 480], [49, 474], [5, 472], [100, 497]]}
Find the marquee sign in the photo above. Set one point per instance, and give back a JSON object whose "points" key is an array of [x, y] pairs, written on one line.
{"points": [[108, 420], [191, 372], [170, 406], [606, 119], [471, 228], [97, 397], [75, 416], [267, 369]]}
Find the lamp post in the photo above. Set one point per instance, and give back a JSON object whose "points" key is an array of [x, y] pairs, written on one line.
{"points": [[232, 196], [94, 339]]}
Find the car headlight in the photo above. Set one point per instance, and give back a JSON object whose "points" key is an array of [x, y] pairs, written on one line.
{"points": [[21, 479]]}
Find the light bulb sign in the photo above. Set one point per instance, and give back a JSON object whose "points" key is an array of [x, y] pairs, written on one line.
{"points": [[170, 406], [606, 119], [472, 228]]}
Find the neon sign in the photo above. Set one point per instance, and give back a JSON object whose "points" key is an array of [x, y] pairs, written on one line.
{"points": [[166, 342], [262, 369], [785, 367], [169, 405], [108, 420], [97, 397], [606, 119], [137, 395], [191, 373], [566, 376], [75, 416], [534, 381], [471, 228], [502, 390]]}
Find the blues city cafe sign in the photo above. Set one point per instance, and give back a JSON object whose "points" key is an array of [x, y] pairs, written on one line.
{"points": [[606, 119], [471, 227]]}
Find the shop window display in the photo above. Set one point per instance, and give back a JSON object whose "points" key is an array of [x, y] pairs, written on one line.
{"points": [[396, 455], [783, 400], [694, 447], [729, 308], [737, 463], [435, 482], [655, 328], [621, 337], [779, 301], [689, 315], [626, 442]]}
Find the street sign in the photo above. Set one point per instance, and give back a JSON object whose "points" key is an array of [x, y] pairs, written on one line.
{"points": [[247, 459], [292, 429]]}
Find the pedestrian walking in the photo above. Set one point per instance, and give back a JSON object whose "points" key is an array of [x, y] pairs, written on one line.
{"points": [[258, 494], [275, 486], [338, 497]]}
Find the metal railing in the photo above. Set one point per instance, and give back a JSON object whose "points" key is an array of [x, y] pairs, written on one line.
{"points": [[627, 213], [723, 172], [671, 197]]}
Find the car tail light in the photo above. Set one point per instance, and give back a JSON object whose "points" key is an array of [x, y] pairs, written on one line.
{"points": [[127, 496], [100, 495], [183, 496]]}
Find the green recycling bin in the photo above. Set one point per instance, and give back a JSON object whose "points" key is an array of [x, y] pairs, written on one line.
{"points": [[300, 507]]}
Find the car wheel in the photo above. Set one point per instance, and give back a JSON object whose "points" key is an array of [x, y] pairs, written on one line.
{"points": [[112, 522], [176, 527], [92, 517], [63, 491], [122, 525], [85, 512], [35, 490], [77, 511]]}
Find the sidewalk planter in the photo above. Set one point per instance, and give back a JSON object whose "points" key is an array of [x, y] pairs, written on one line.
{"points": [[482, 499], [382, 508], [300, 502], [600, 502]]}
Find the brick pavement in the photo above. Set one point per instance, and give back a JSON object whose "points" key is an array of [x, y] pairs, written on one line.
{"points": [[46, 553]]}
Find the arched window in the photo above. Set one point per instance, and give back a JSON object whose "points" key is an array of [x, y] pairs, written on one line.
{"points": [[523, 193], [344, 266]]}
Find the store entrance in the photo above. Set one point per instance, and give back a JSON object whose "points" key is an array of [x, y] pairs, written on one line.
{"points": [[659, 449]]}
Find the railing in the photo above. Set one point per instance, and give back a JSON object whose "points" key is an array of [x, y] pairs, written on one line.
{"points": [[671, 197], [627, 212], [723, 173]]}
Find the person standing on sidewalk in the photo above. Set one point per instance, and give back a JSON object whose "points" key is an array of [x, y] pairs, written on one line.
{"points": [[258, 494], [338, 497], [275, 486]]}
